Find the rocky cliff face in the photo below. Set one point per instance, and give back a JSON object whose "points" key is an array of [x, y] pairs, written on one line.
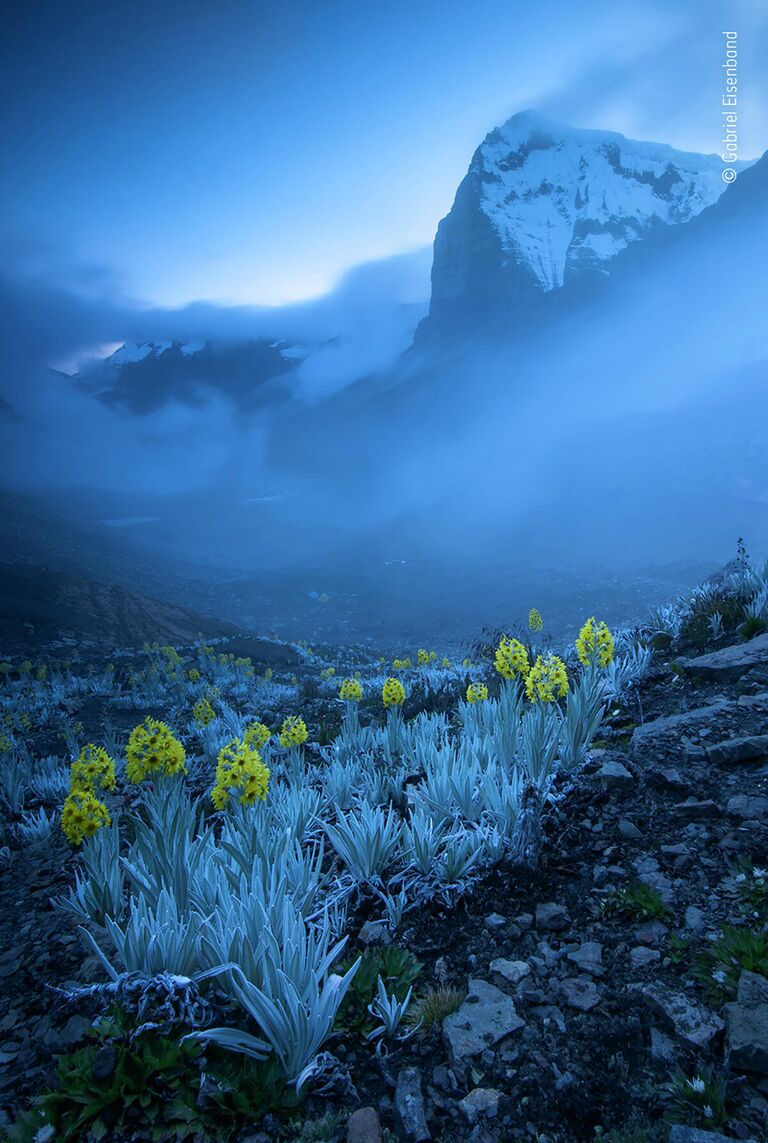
{"points": [[544, 206]]}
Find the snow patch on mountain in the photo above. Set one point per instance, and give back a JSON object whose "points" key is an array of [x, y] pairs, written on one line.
{"points": [[564, 199], [130, 353]]}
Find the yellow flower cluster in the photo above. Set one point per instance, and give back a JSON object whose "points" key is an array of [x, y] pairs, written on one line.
{"points": [[293, 731], [194, 675], [256, 735], [83, 814], [202, 712], [93, 768], [351, 691], [446, 662], [511, 658], [547, 679], [477, 692], [535, 622], [152, 749], [595, 643], [401, 664], [393, 693], [328, 673], [424, 657], [239, 767]]}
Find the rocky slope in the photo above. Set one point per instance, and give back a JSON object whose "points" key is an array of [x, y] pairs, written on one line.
{"points": [[40, 608], [598, 997]]}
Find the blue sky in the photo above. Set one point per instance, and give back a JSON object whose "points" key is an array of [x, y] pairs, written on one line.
{"points": [[252, 152]]}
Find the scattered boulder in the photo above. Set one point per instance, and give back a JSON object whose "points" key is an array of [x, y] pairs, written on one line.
{"points": [[752, 989], [670, 779], [747, 1025], [746, 806], [728, 662], [588, 957], [409, 1106], [641, 956], [486, 1016], [374, 933], [509, 971], [580, 992], [691, 1022], [747, 1037], [693, 811], [613, 775], [629, 831], [481, 1103], [682, 1133], [363, 1126], [552, 918], [694, 918], [664, 736], [753, 748], [651, 932]]}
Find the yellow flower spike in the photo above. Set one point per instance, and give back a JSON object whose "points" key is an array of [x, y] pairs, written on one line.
{"points": [[547, 679], [203, 713], [393, 693], [193, 675], [239, 768], [257, 735], [93, 767], [152, 749], [511, 658], [535, 622], [477, 692], [422, 657], [293, 732], [446, 663], [82, 816], [351, 691], [595, 643], [219, 797]]}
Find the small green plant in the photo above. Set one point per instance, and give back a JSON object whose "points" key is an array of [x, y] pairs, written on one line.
{"points": [[728, 605], [106, 1088], [717, 969], [432, 1008], [698, 1100], [124, 1084], [640, 901], [753, 625], [397, 968], [326, 1128], [751, 888], [678, 948]]}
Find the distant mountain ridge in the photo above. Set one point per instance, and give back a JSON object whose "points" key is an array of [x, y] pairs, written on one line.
{"points": [[143, 376], [544, 207]]}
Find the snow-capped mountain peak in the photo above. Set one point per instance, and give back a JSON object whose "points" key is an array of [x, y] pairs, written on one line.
{"points": [[542, 204], [130, 352]]}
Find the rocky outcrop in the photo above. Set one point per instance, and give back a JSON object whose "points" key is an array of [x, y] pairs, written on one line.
{"points": [[729, 663]]}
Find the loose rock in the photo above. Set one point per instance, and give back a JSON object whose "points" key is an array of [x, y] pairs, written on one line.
{"points": [[409, 1106], [485, 1017]]}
